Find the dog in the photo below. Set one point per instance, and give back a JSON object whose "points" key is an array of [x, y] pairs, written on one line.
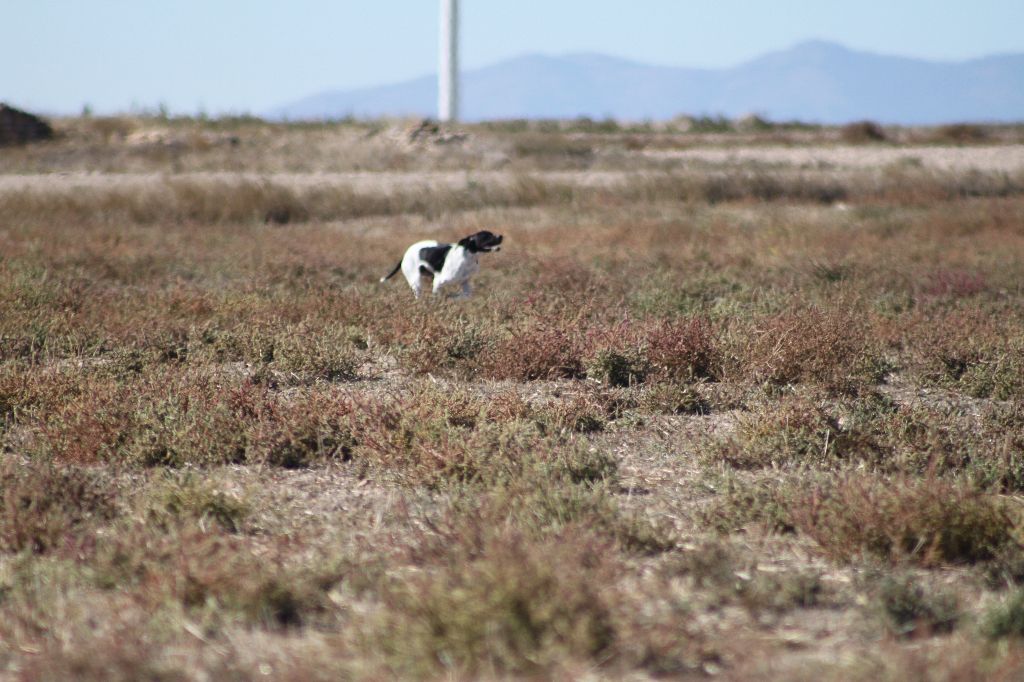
{"points": [[446, 264]]}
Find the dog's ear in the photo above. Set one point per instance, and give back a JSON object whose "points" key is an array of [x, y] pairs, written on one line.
{"points": [[470, 243]]}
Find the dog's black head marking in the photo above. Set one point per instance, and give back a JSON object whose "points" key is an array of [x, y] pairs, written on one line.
{"points": [[481, 242]]}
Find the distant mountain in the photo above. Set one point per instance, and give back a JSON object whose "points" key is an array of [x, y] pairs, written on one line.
{"points": [[813, 81]]}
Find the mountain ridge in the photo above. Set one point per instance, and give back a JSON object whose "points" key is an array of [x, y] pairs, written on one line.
{"points": [[814, 81]]}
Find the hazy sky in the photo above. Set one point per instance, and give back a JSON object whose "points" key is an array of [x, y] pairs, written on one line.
{"points": [[220, 56]]}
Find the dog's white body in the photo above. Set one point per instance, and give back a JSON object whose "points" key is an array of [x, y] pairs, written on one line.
{"points": [[448, 264], [459, 266]]}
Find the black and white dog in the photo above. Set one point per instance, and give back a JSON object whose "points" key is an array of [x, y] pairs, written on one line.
{"points": [[445, 263]]}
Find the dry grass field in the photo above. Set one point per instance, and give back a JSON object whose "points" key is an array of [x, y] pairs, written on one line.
{"points": [[735, 404]]}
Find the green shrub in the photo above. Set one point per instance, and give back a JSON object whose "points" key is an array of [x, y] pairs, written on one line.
{"points": [[185, 497], [797, 433], [617, 368], [503, 606], [1006, 619], [739, 504], [673, 398], [909, 609]]}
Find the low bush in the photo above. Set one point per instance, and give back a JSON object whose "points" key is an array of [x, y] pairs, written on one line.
{"points": [[173, 418], [218, 579], [974, 352], [500, 604], [998, 459], [861, 132], [796, 432], [961, 133], [830, 348], [673, 397], [301, 433], [683, 349], [43, 504], [327, 352], [1005, 619], [739, 504], [433, 438], [617, 368], [537, 352], [909, 609], [547, 148], [182, 498], [928, 522]]}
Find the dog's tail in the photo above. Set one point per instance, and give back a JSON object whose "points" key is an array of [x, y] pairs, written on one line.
{"points": [[392, 273]]}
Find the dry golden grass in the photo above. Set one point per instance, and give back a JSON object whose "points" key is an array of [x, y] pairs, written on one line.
{"points": [[763, 422]]}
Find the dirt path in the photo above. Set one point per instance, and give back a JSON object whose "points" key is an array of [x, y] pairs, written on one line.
{"points": [[997, 158], [1009, 158], [360, 182]]}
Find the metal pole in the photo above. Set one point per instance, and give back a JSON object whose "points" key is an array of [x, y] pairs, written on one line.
{"points": [[448, 71]]}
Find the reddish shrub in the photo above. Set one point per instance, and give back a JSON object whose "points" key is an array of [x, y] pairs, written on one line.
{"points": [[954, 284], [929, 522], [831, 348], [41, 504], [683, 349], [537, 352]]}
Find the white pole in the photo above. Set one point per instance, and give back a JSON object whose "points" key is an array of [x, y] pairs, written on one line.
{"points": [[448, 71]]}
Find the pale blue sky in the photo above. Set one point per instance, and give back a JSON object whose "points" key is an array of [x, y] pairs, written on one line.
{"points": [[221, 56]]}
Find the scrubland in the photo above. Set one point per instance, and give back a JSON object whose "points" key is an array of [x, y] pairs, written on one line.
{"points": [[707, 415]]}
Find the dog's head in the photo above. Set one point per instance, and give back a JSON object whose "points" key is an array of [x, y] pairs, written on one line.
{"points": [[481, 242]]}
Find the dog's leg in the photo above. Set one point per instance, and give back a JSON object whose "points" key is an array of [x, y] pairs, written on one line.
{"points": [[411, 272], [467, 290]]}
